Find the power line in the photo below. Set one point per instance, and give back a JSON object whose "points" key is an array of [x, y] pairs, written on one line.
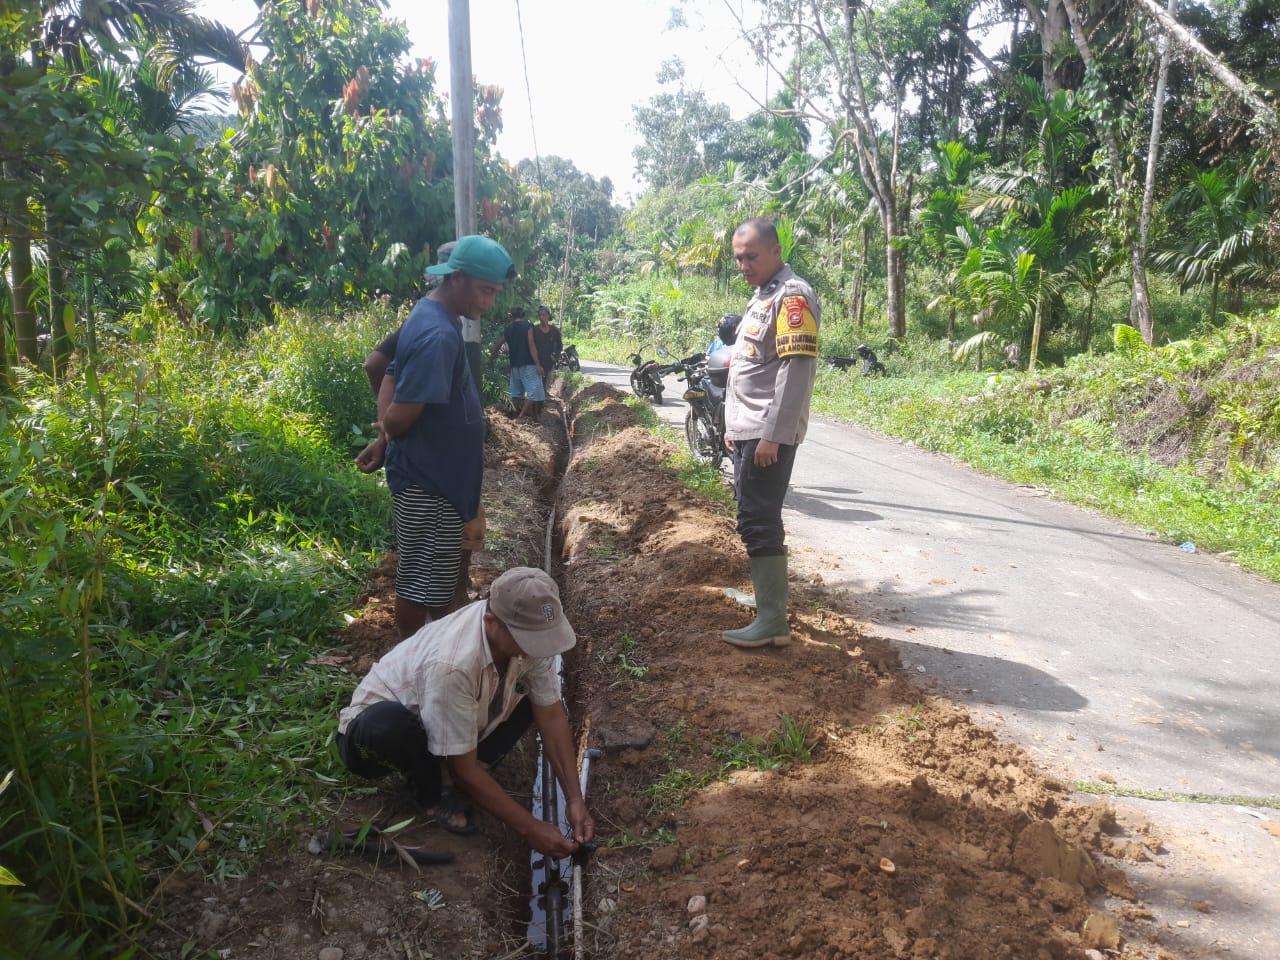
{"points": [[528, 92]]}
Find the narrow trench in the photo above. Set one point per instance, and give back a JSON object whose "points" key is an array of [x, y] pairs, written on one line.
{"points": [[550, 898]]}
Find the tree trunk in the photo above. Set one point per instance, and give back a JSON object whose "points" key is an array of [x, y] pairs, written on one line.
{"points": [[1141, 312], [60, 338], [1053, 25], [897, 264], [895, 277], [860, 302], [1088, 323], [21, 287], [1140, 304], [564, 270], [1035, 336]]}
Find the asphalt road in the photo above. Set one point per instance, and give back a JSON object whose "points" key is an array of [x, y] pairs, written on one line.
{"points": [[1111, 657]]}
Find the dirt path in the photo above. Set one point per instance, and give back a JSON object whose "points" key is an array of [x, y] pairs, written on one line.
{"points": [[809, 802]]}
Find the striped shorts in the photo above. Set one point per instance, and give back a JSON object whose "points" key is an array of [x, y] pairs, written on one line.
{"points": [[429, 538]]}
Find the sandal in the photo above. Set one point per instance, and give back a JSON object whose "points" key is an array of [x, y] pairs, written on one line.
{"points": [[451, 806]]}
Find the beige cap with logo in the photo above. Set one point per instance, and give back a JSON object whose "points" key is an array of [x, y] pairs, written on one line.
{"points": [[527, 600]]}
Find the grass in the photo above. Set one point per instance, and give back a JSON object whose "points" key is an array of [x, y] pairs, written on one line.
{"points": [[702, 478], [1111, 790], [628, 669], [909, 722], [629, 840], [790, 742], [670, 791]]}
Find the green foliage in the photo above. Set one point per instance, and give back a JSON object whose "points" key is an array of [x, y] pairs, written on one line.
{"points": [[680, 133], [177, 548], [333, 185], [652, 310], [692, 767], [1221, 239], [316, 368], [1128, 340]]}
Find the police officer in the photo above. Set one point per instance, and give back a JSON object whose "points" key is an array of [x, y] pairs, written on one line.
{"points": [[766, 412]]}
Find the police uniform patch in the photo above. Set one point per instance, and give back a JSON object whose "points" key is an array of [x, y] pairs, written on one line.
{"points": [[796, 330]]}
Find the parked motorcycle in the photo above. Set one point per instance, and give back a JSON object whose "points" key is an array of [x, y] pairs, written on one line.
{"points": [[871, 365], [646, 378], [706, 378], [566, 359], [866, 361]]}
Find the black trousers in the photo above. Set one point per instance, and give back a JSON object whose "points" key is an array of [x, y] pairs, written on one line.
{"points": [[389, 736], [760, 492]]}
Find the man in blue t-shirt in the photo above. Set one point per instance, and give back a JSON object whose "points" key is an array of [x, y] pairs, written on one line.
{"points": [[431, 426]]}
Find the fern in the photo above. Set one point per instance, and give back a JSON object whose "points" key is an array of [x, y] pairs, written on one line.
{"points": [[1128, 341]]}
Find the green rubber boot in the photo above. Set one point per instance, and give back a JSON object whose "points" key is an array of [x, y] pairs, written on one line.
{"points": [[769, 574]]}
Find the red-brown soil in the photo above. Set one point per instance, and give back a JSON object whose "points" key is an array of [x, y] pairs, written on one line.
{"points": [[908, 832]]}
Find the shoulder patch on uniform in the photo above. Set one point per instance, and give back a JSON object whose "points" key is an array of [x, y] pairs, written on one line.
{"points": [[796, 330]]}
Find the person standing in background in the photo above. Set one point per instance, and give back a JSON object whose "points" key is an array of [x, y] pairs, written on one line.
{"points": [[547, 338], [526, 365]]}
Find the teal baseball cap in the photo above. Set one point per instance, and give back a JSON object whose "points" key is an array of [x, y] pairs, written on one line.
{"points": [[479, 257]]}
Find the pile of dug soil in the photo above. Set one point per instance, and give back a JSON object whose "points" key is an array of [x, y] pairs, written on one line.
{"points": [[899, 829]]}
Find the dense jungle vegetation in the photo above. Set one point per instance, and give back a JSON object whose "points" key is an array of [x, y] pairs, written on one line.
{"points": [[1054, 221]]}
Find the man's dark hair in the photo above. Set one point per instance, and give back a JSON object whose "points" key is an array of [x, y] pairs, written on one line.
{"points": [[766, 230], [517, 312]]}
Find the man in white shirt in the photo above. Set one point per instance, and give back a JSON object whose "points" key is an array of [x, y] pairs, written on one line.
{"points": [[461, 692]]}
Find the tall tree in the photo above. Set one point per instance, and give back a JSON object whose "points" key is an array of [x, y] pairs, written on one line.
{"points": [[681, 133], [337, 183], [583, 216]]}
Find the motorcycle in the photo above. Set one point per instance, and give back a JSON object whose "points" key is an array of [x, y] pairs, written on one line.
{"points": [[866, 361], [705, 379], [646, 378], [566, 359], [871, 365]]}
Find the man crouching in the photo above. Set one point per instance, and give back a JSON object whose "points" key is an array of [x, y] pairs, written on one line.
{"points": [[455, 691]]}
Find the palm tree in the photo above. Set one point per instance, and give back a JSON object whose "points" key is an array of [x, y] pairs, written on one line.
{"points": [[1020, 272], [1222, 215], [947, 232]]}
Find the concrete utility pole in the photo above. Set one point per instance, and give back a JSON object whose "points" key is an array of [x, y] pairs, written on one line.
{"points": [[464, 128]]}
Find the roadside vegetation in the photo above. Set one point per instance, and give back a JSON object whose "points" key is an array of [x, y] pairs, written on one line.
{"points": [[182, 532], [1182, 440]]}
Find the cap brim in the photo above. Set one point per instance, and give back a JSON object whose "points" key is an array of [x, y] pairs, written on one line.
{"points": [[439, 269], [556, 639]]}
